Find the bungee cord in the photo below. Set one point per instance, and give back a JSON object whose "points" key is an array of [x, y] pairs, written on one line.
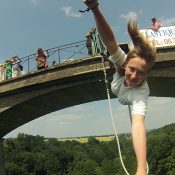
{"points": [[112, 118]]}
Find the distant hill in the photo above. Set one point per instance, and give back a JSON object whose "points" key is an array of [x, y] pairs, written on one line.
{"points": [[85, 139], [29, 154], [165, 129]]}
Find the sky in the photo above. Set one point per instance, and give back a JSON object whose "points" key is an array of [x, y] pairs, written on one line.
{"points": [[29, 24]]}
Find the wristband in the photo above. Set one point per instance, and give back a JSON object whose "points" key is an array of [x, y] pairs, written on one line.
{"points": [[95, 7], [90, 1]]}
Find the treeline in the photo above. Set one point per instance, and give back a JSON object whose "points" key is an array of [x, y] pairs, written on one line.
{"points": [[36, 155]]}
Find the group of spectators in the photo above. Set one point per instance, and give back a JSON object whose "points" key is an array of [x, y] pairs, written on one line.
{"points": [[11, 68]]}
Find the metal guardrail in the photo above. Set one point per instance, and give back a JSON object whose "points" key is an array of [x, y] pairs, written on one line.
{"points": [[57, 55]]}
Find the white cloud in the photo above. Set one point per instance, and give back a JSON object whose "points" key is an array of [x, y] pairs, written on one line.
{"points": [[156, 102], [129, 15], [59, 118], [158, 106], [35, 2], [115, 28], [69, 12], [167, 22], [66, 118], [140, 11]]}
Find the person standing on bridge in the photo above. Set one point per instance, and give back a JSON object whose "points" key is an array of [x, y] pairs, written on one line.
{"points": [[129, 81], [8, 69], [17, 67], [41, 59], [88, 43], [156, 24], [1, 72], [96, 42]]}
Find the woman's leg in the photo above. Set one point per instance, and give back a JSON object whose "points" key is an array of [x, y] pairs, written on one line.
{"points": [[139, 143]]}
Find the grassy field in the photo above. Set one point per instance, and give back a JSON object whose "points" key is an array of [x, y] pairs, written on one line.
{"points": [[85, 139]]}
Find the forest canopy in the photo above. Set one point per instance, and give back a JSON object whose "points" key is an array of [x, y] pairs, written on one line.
{"points": [[36, 155]]}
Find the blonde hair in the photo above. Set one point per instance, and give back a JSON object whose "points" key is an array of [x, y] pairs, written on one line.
{"points": [[142, 48]]}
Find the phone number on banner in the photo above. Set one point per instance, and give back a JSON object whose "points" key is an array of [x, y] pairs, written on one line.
{"points": [[163, 42]]}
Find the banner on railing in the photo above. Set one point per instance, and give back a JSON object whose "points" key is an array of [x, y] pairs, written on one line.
{"points": [[163, 37]]}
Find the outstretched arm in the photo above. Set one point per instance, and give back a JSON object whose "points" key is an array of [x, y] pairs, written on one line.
{"points": [[103, 27], [139, 142]]}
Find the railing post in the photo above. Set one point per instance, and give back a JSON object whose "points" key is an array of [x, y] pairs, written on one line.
{"points": [[59, 59], [2, 163], [28, 60]]}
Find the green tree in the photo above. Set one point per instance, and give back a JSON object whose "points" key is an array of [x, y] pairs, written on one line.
{"points": [[109, 167], [87, 167], [13, 169]]}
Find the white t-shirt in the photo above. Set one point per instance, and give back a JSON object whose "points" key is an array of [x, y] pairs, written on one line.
{"points": [[134, 96]]}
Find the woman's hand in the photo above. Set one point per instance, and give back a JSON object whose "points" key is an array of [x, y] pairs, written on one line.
{"points": [[91, 3]]}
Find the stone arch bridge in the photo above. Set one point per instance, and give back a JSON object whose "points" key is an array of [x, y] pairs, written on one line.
{"points": [[71, 83]]}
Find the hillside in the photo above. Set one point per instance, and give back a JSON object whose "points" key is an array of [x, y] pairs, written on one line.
{"points": [[106, 138], [28, 155]]}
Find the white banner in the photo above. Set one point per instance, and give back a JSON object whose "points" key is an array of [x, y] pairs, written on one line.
{"points": [[164, 37]]}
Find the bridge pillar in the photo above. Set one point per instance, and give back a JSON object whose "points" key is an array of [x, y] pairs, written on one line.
{"points": [[2, 163]]}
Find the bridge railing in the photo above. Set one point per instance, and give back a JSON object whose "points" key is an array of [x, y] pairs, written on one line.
{"points": [[57, 55]]}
